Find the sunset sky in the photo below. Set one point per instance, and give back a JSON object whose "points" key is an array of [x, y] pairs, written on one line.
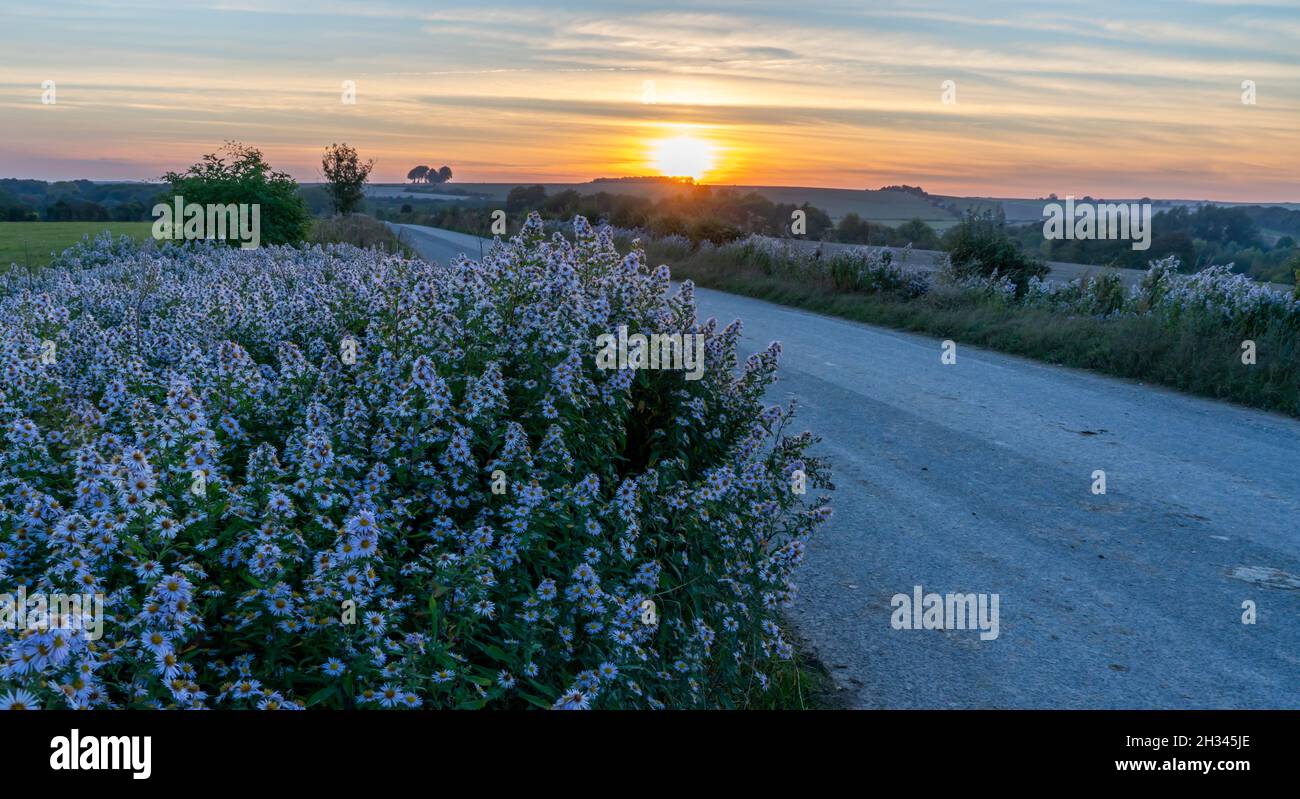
{"points": [[1103, 98]]}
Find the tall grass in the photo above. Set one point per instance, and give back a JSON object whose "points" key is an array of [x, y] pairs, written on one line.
{"points": [[358, 230]]}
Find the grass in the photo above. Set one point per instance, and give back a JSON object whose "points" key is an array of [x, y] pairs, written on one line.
{"points": [[32, 244], [360, 230], [1193, 358], [804, 684]]}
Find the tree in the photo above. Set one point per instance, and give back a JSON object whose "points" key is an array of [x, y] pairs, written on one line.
{"points": [[345, 176], [239, 174], [920, 235], [525, 198], [852, 229], [417, 174], [444, 173]]}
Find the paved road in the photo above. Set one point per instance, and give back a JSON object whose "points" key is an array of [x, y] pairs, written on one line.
{"points": [[439, 245], [976, 477]]}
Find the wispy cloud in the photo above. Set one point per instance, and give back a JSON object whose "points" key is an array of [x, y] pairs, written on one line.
{"points": [[1108, 96]]}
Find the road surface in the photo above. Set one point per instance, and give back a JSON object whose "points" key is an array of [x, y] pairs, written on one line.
{"points": [[977, 477], [435, 244]]}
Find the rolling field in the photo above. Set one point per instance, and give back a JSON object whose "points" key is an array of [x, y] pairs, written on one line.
{"points": [[34, 243], [886, 207]]}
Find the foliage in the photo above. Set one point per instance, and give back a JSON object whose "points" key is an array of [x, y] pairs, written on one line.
{"points": [[239, 174], [345, 176], [358, 230], [980, 247], [427, 174], [1197, 237]]}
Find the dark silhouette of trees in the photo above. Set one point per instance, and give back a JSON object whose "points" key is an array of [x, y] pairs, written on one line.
{"points": [[427, 174]]}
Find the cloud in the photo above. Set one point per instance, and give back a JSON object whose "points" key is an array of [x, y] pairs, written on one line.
{"points": [[829, 93]]}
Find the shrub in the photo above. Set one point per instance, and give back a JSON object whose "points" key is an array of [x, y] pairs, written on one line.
{"points": [[373, 482], [1105, 293], [714, 231], [981, 247], [871, 271], [239, 174]]}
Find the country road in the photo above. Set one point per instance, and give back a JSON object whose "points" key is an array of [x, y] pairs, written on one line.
{"points": [[977, 477]]}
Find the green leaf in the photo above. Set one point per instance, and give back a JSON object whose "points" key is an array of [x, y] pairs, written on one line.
{"points": [[322, 694], [494, 652], [535, 700]]}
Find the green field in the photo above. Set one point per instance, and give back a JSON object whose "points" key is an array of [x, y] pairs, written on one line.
{"points": [[34, 243]]}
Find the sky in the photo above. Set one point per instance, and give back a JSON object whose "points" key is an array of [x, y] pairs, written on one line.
{"points": [[1110, 99]]}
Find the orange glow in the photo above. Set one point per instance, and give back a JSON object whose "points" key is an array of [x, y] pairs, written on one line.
{"points": [[683, 156]]}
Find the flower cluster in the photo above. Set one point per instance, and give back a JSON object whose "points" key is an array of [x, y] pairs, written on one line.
{"points": [[1215, 295], [333, 477], [996, 286], [854, 269]]}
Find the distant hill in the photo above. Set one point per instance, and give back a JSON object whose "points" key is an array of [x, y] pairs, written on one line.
{"points": [[890, 205]]}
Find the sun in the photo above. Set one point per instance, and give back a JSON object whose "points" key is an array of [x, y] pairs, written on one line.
{"points": [[683, 156]]}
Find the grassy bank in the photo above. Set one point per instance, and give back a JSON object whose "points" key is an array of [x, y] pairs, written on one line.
{"points": [[359, 230], [1193, 353], [32, 244]]}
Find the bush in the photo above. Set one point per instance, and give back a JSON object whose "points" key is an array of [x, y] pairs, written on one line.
{"points": [[870, 271], [373, 482], [239, 174], [980, 247]]}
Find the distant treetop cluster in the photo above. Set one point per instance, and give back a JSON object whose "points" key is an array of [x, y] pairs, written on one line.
{"points": [[903, 187], [427, 174]]}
